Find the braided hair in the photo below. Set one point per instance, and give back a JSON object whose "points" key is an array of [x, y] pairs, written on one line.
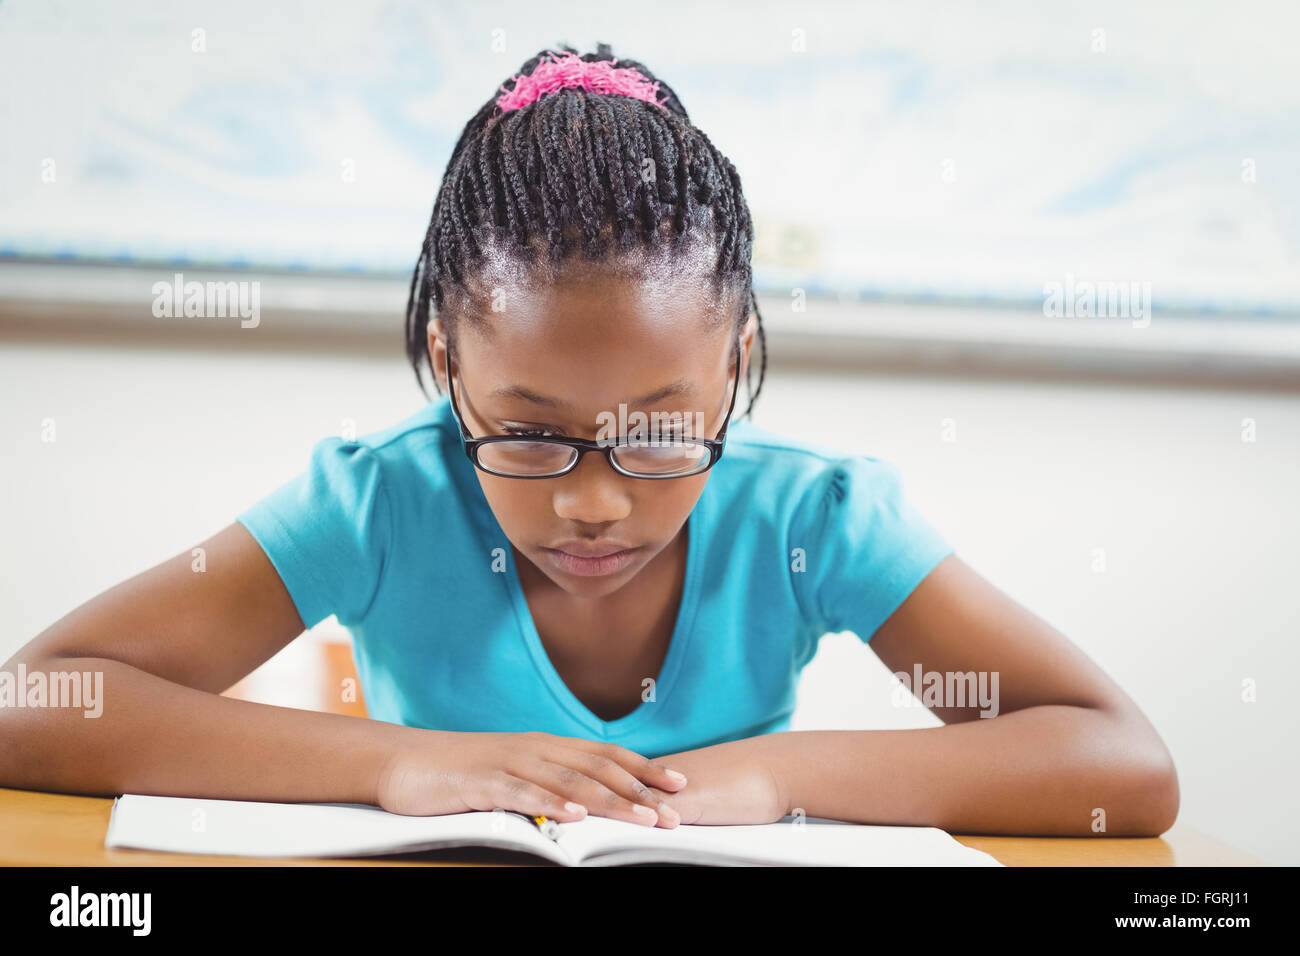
{"points": [[565, 174]]}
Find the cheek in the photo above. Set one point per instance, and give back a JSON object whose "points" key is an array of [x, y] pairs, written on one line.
{"points": [[675, 499], [515, 503]]}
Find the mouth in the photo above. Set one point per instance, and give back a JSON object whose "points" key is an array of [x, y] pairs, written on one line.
{"points": [[595, 561]]}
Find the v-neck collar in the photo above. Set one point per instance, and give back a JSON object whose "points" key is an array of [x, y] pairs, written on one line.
{"points": [[667, 676]]}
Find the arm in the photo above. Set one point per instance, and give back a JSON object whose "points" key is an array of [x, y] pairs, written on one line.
{"points": [[1066, 741], [168, 641]]}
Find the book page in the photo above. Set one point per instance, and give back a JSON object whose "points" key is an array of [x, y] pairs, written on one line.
{"points": [[600, 841], [248, 828]]}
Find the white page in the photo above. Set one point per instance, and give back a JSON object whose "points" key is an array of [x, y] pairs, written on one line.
{"points": [[249, 828], [814, 842]]}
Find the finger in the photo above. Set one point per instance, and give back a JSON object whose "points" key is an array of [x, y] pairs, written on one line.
{"points": [[510, 792], [606, 788], [686, 808], [669, 815], [644, 769]]}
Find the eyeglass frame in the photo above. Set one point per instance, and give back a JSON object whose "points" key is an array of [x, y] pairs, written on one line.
{"points": [[584, 445]]}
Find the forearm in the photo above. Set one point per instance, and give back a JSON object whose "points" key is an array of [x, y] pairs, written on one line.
{"points": [[1042, 770], [154, 736]]}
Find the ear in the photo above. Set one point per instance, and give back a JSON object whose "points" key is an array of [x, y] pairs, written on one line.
{"points": [[747, 335], [437, 349]]}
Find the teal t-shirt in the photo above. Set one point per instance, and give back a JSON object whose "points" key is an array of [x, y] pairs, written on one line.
{"points": [[392, 534]]}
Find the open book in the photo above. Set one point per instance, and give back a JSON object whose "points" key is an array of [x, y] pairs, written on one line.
{"points": [[245, 828]]}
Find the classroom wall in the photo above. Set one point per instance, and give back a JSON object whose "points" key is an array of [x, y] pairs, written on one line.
{"points": [[157, 449]]}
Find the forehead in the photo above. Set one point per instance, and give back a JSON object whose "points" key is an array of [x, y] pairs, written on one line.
{"points": [[596, 338]]}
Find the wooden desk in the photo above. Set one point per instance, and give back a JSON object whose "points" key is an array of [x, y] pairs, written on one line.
{"points": [[54, 829], [48, 829]]}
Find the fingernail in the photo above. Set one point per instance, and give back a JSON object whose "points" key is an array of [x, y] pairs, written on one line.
{"points": [[644, 810], [668, 814], [575, 807], [676, 776]]}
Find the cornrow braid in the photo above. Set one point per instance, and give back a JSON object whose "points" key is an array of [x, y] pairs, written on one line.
{"points": [[565, 174]]}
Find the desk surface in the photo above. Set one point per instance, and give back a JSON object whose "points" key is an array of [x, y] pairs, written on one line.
{"points": [[55, 829]]}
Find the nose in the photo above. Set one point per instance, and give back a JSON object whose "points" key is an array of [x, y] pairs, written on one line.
{"points": [[593, 493]]}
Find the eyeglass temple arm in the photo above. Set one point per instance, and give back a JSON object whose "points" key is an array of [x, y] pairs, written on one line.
{"points": [[451, 391]]}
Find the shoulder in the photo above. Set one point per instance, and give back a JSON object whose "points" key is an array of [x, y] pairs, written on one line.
{"points": [[414, 450], [790, 474], [330, 530], [431, 423], [811, 494], [844, 520]]}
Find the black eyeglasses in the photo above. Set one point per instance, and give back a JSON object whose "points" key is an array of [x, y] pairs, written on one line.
{"points": [[510, 456]]}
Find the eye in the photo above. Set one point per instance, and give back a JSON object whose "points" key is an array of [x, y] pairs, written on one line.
{"points": [[528, 432]]}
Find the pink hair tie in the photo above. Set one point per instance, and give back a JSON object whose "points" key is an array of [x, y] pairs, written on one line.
{"points": [[569, 71]]}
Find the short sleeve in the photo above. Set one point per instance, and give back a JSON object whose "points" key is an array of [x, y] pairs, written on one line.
{"points": [[327, 532], [865, 548]]}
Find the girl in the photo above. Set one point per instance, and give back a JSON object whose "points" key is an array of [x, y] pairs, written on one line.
{"points": [[565, 597]]}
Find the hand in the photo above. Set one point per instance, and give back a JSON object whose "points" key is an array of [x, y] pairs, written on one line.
{"points": [[534, 773], [729, 783]]}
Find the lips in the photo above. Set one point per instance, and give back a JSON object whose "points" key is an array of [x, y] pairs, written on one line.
{"points": [[609, 558], [587, 549]]}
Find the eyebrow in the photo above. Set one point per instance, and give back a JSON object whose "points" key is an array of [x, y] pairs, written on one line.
{"points": [[679, 387]]}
